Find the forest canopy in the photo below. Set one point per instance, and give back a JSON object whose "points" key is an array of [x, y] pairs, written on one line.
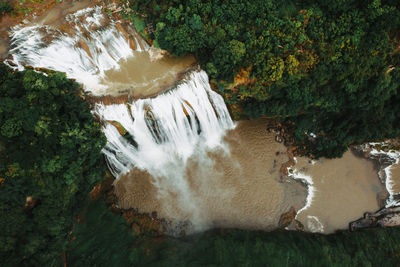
{"points": [[330, 68], [50, 159], [226, 247]]}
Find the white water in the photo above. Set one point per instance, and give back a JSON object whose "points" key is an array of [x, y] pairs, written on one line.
{"points": [[105, 47], [313, 224], [167, 133], [188, 121], [166, 137], [332, 184], [386, 178]]}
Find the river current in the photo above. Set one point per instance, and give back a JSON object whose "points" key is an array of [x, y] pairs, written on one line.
{"points": [[173, 147]]}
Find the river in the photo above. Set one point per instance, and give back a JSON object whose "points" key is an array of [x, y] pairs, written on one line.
{"points": [[241, 189], [184, 158]]}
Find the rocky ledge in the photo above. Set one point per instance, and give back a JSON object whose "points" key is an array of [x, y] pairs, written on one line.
{"points": [[385, 217]]}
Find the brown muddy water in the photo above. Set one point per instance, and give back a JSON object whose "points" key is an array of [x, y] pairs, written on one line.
{"points": [[395, 178], [146, 73], [243, 189], [3, 48], [344, 189], [56, 15], [123, 67], [238, 190]]}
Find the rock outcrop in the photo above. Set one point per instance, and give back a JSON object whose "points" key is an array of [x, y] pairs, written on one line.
{"points": [[386, 217], [287, 218]]}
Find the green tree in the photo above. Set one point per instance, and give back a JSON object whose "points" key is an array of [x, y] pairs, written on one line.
{"points": [[50, 158], [5, 8], [326, 66]]}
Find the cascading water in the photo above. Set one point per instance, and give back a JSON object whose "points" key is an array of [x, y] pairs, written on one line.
{"points": [[387, 160], [166, 130], [173, 153], [162, 133], [92, 45], [158, 135]]}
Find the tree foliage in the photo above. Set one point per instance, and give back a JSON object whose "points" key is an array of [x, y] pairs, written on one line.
{"points": [[5, 8], [102, 238], [252, 248], [49, 161], [331, 67]]}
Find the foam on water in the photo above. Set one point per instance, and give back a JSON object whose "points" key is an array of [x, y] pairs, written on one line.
{"points": [[166, 129], [94, 47], [164, 132], [308, 181], [168, 136], [394, 157]]}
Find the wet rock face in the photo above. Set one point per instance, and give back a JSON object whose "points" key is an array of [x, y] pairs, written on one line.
{"points": [[383, 162], [386, 217], [382, 159], [365, 222], [385, 156]]}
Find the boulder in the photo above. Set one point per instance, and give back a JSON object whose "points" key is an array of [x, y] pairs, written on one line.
{"points": [[287, 218]]}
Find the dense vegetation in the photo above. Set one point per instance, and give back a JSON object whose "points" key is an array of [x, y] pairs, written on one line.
{"points": [[246, 248], [49, 161], [102, 239], [5, 8], [329, 67]]}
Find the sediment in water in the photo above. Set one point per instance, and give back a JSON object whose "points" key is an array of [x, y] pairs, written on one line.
{"points": [[107, 56], [340, 191], [241, 189]]}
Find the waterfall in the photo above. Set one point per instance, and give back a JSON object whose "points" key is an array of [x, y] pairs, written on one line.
{"points": [[91, 45], [163, 132], [161, 135], [387, 159]]}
